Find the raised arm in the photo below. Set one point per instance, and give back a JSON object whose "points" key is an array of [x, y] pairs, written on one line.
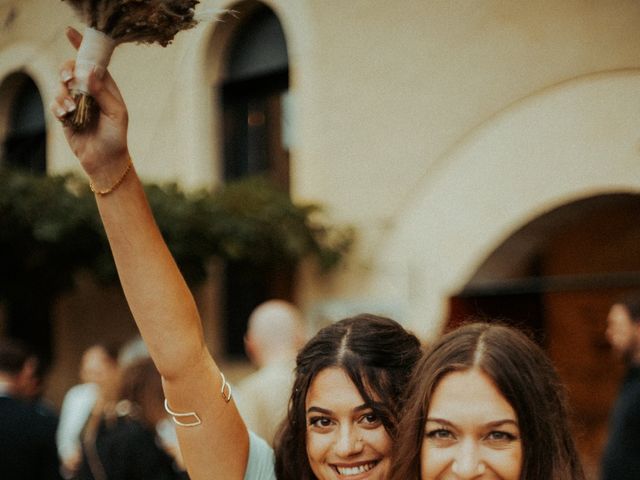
{"points": [[161, 302]]}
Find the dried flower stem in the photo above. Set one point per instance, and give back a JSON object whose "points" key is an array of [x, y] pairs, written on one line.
{"points": [[85, 114]]}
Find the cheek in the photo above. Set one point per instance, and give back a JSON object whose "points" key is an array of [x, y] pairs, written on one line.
{"points": [[432, 461], [507, 464], [379, 440], [318, 447]]}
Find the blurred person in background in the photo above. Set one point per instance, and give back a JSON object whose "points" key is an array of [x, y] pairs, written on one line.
{"points": [[621, 459], [33, 385], [273, 337], [132, 351], [120, 440], [98, 368], [27, 435]]}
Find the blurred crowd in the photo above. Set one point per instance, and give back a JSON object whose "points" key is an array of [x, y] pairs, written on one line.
{"points": [[113, 425]]}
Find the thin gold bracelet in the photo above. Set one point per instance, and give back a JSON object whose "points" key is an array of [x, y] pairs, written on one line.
{"points": [[117, 183]]}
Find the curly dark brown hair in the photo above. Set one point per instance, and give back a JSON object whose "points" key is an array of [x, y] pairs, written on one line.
{"points": [[377, 354]]}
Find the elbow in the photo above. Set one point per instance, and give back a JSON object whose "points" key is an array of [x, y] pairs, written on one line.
{"points": [[185, 363]]}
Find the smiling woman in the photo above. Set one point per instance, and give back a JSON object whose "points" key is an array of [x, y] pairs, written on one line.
{"points": [[343, 414], [350, 377], [486, 430], [485, 403], [344, 434]]}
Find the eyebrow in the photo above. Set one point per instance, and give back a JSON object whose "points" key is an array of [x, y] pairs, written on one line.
{"points": [[325, 411], [494, 424]]}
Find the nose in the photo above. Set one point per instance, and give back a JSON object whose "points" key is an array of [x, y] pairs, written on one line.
{"points": [[467, 463], [348, 442]]}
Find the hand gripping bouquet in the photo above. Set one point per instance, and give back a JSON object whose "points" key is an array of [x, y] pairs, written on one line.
{"points": [[112, 22]]}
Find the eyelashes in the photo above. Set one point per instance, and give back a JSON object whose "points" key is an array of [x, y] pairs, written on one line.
{"points": [[439, 433], [319, 422], [367, 420], [494, 437], [502, 436]]}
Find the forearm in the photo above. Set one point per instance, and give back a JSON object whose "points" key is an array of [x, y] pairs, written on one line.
{"points": [[160, 301], [165, 312]]}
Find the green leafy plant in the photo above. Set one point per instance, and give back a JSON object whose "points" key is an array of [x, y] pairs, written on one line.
{"points": [[50, 228]]}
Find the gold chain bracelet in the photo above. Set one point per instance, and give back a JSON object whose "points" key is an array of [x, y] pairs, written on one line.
{"points": [[117, 183]]}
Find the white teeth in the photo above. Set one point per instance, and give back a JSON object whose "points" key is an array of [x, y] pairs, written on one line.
{"points": [[355, 470]]}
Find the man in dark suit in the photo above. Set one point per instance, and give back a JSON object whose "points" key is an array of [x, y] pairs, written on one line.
{"points": [[27, 436], [621, 458]]}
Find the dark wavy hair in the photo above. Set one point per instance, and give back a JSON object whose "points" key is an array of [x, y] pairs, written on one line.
{"points": [[526, 378], [377, 354]]}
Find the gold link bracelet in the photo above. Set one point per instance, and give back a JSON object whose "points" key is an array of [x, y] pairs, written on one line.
{"points": [[117, 183]]}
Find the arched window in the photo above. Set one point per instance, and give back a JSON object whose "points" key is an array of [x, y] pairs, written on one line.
{"points": [[254, 97], [24, 144]]}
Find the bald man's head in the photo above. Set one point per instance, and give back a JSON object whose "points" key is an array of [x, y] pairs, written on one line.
{"points": [[274, 332]]}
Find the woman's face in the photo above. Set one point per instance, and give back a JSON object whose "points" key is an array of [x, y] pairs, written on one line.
{"points": [[471, 431], [345, 439]]}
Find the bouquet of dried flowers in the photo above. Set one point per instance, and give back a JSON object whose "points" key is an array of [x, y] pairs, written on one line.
{"points": [[112, 22]]}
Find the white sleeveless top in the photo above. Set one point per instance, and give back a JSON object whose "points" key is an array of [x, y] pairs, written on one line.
{"points": [[261, 463]]}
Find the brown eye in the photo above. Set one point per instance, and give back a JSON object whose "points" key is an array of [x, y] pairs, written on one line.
{"points": [[320, 422], [370, 419]]}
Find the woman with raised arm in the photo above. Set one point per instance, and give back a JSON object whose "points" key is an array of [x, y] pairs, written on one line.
{"points": [[349, 377]]}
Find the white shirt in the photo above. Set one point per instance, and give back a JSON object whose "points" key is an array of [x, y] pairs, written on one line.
{"points": [[75, 411], [261, 462]]}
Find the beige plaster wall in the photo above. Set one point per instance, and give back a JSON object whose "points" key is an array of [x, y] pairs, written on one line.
{"points": [[435, 127], [395, 88], [575, 140]]}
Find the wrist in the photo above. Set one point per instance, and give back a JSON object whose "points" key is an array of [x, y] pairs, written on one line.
{"points": [[109, 177]]}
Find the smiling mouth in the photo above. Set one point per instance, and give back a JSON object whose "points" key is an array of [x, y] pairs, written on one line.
{"points": [[357, 470]]}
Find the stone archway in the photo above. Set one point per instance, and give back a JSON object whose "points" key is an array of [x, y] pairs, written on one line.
{"points": [[557, 276]]}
